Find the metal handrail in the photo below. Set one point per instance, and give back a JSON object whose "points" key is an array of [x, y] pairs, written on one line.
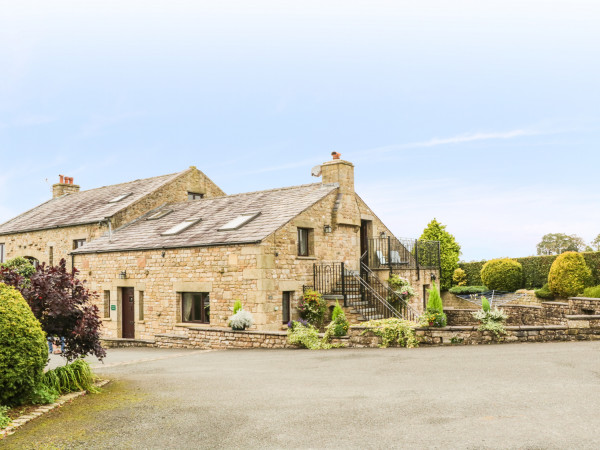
{"points": [[411, 313], [385, 308]]}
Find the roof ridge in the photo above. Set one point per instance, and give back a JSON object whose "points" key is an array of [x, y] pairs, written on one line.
{"points": [[133, 181], [273, 190]]}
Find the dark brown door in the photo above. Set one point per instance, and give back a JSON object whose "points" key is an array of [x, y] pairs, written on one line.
{"points": [[128, 309], [364, 239]]}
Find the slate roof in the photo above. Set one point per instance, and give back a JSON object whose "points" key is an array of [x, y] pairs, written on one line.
{"points": [[277, 207], [83, 207]]}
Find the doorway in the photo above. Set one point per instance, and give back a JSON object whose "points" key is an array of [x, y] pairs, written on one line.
{"points": [[128, 313], [365, 230]]}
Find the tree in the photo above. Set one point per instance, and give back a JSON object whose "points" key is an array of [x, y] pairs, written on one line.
{"points": [[596, 243], [63, 306], [557, 243], [449, 251]]}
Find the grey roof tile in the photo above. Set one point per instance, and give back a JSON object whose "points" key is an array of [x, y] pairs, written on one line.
{"points": [[83, 207], [276, 207]]}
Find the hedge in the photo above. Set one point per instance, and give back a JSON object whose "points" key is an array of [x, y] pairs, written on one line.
{"points": [[535, 269]]}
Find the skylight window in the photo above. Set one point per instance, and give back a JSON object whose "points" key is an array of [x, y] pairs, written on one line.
{"points": [[239, 221], [119, 198], [159, 214], [180, 227]]}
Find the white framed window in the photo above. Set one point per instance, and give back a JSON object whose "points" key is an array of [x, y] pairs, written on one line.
{"points": [[239, 221], [195, 196], [1, 252], [119, 198], [180, 227], [159, 214], [78, 243]]}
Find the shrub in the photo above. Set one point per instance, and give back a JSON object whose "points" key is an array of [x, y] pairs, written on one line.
{"points": [[491, 319], [339, 324], [502, 274], [459, 277], [21, 266], [237, 306], [568, 275], [63, 305], [485, 304], [591, 292], [434, 313], [23, 348], [4, 419], [544, 292], [392, 331], [306, 337], [241, 320], [401, 286], [312, 308], [73, 377], [467, 290]]}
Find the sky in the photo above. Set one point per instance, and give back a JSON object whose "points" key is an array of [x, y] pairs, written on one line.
{"points": [[482, 114]]}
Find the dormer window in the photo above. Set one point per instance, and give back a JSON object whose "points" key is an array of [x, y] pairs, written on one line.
{"points": [[195, 196], [181, 227], [159, 214], [119, 198], [239, 221]]}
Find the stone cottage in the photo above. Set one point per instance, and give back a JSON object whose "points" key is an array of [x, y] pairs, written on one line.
{"points": [[183, 264], [73, 218]]}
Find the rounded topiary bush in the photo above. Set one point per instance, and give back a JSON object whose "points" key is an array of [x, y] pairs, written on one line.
{"points": [[568, 275], [23, 348], [502, 274]]}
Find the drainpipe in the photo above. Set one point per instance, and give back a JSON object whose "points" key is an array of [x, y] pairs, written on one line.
{"points": [[109, 228]]}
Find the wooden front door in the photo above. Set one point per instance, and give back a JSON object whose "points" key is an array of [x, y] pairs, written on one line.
{"points": [[128, 313]]}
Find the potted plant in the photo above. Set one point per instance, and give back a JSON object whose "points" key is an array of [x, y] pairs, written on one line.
{"points": [[241, 318], [434, 315], [490, 319]]}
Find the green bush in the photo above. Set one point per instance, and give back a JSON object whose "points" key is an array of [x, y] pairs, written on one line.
{"points": [[467, 290], [569, 275], [459, 277], [312, 308], [485, 304], [544, 292], [591, 292], [398, 331], [23, 348], [237, 306], [20, 265], [339, 324], [4, 419], [434, 313], [502, 274], [535, 269], [306, 337], [73, 377]]}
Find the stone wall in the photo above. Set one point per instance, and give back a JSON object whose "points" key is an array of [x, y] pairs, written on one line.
{"points": [[223, 338]]}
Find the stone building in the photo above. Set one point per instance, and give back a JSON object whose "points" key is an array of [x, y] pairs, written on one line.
{"points": [[73, 218], [183, 264]]}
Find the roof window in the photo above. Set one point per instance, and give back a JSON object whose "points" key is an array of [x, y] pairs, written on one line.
{"points": [[239, 221], [159, 214], [180, 227], [119, 198]]}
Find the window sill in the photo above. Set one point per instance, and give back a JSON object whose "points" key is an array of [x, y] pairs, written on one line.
{"points": [[192, 324], [313, 258], [141, 321], [106, 319]]}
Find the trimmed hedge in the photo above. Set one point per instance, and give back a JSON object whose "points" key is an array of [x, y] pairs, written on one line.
{"points": [[23, 348], [569, 275], [535, 269], [502, 274]]}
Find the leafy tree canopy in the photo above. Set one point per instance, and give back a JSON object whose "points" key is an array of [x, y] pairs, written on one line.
{"points": [[557, 243], [63, 306], [449, 250], [596, 243]]}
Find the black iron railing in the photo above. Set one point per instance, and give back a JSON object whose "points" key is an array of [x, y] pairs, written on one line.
{"points": [[328, 279], [393, 253], [398, 304]]}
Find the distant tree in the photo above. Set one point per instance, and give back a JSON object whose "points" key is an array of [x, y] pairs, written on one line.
{"points": [[63, 306], [596, 243], [557, 243], [449, 251]]}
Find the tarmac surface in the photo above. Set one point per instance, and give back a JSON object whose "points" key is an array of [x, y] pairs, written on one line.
{"points": [[529, 396]]}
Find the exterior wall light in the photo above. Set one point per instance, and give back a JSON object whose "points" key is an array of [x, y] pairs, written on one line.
{"points": [[433, 277], [327, 228], [123, 275], [382, 235]]}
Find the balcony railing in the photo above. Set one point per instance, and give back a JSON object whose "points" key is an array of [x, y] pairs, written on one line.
{"points": [[393, 253]]}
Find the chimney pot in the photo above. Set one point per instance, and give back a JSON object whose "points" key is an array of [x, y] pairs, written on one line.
{"points": [[336, 155], [62, 179]]}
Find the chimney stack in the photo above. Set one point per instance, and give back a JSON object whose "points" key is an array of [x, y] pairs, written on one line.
{"points": [[64, 186], [337, 170]]}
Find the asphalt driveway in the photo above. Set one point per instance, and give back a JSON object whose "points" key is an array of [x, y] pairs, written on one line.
{"points": [[501, 396]]}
